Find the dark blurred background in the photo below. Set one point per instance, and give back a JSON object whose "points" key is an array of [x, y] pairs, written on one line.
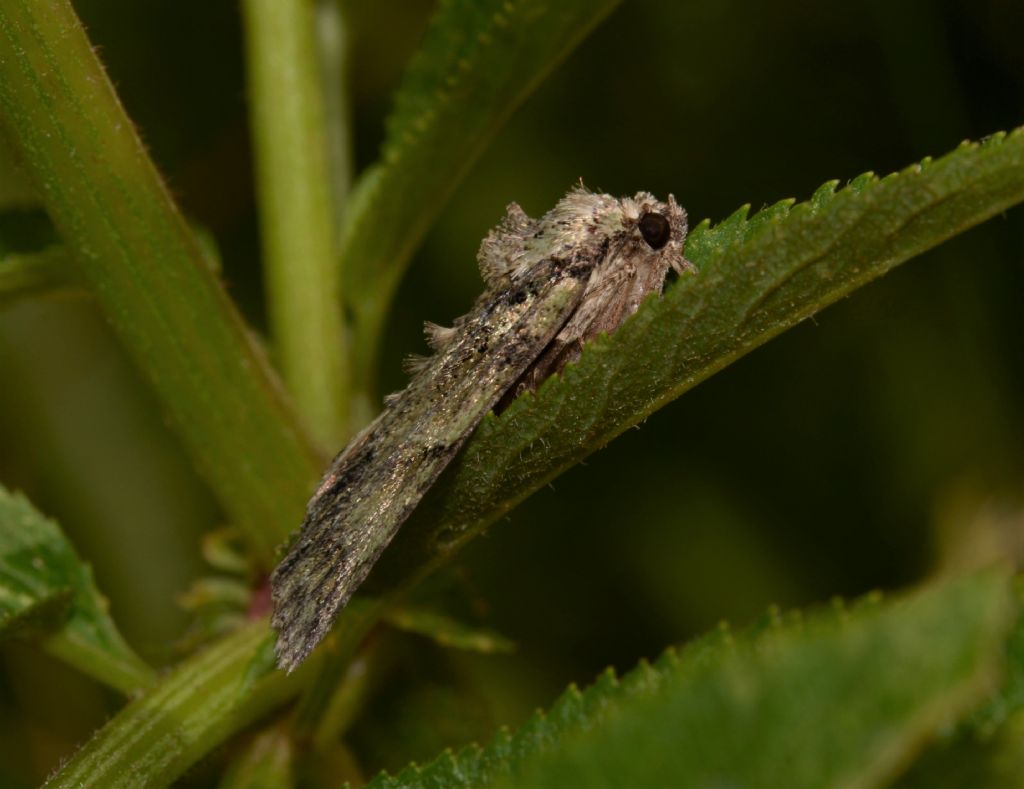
{"points": [[852, 453]]}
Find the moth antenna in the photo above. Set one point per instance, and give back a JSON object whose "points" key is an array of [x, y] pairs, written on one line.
{"points": [[438, 337], [503, 247], [414, 363]]}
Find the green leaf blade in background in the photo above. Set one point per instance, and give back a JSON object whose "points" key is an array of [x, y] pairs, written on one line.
{"points": [[46, 589], [842, 697], [757, 278], [478, 62]]}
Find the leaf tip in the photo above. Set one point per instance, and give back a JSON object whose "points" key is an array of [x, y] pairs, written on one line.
{"points": [[823, 194], [861, 181]]}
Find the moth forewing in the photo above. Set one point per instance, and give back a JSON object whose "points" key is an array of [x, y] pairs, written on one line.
{"points": [[553, 284], [371, 488]]}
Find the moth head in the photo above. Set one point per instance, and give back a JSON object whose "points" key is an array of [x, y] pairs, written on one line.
{"points": [[654, 229]]}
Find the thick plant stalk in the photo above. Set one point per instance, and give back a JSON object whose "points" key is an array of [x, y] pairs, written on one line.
{"points": [[149, 276]]}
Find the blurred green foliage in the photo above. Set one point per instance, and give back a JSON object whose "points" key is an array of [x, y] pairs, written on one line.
{"points": [[743, 708], [848, 454]]}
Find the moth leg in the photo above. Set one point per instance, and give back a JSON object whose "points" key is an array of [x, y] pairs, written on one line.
{"points": [[683, 265]]}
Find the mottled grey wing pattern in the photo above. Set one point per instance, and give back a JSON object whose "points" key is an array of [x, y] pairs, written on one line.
{"points": [[375, 483], [552, 285], [615, 291]]}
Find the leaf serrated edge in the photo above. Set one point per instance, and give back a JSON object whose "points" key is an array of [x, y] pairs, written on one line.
{"points": [[740, 227], [577, 710], [543, 728]]}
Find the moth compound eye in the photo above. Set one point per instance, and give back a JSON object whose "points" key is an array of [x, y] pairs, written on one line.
{"points": [[655, 230]]}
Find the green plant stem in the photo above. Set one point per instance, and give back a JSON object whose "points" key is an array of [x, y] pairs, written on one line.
{"points": [[197, 706], [123, 671], [332, 36], [159, 735], [296, 208], [149, 276]]}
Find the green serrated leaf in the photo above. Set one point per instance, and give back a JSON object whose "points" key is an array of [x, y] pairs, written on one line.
{"points": [[36, 567], [479, 60], [840, 697], [757, 278], [46, 589]]}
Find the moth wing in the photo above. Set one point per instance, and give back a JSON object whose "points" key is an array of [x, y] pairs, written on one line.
{"points": [[375, 483], [613, 293]]}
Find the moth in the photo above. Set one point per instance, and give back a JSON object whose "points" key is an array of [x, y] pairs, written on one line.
{"points": [[551, 284]]}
